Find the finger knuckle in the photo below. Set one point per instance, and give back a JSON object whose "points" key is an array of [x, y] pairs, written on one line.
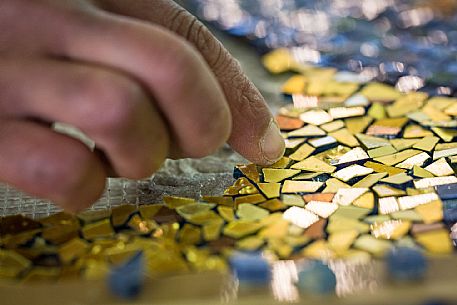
{"points": [[212, 134], [112, 101], [178, 19], [203, 40]]}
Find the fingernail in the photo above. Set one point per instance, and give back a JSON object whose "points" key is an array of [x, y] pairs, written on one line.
{"points": [[272, 143]]}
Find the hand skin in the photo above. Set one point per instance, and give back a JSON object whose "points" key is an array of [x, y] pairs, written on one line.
{"points": [[144, 79]]}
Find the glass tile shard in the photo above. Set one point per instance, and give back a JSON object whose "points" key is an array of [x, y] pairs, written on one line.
{"points": [[369, 180], [287, 123], [190, 235], [444, 146], [358, 124], [293, 143], [383, 131], [410, 202], [281, 163], [316, 117], [350, 212], [253, 199], [100, 229], [278, 175], [388, 205], [226, 213], [415, 131], [377, 218], [212, 231], [427, 143], [72, 250], [379, 92], [300, 217], [419, 172], [344, 137], [351, 172], [323, 142], [357, 100], [308, 176], [383, 190], [250, 243], [322, 209], [307, 131], [120, 214], [346, 196], [148, 211], [399, 157], [316, 230], [278, 61], [409, 215], [313, 164], [333, 126], [370, 142], [173, 202], [318, 250], [381, 151], [142, 226], [166, 215], [302, 152], [440, 168], [332, 185], [415, 160], [276, 228], [444, 153], [15, 224], [251, 212], [437, 241], [346, 112], [408, 103], [401, 144], [291, 186], [338, 224], [325, 197], [270, 190], [293, 200], [371, 244], [250, 171], [428, 182], [422, 228], [397, 179], [356, 154], [391, 229], [377, 111], [431, 212], [273, 205], [365, 201], [341, 241], [447, 135], [240, 228], [219, 200], [12, 264]]}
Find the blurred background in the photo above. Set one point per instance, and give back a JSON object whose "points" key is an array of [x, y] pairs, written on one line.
{"points": [[384, 39]]}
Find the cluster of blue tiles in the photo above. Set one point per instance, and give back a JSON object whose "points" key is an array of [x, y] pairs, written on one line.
{"points": [[448, 194]]}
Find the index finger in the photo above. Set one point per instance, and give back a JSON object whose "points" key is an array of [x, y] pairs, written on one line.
{"points": [[255, 134]]}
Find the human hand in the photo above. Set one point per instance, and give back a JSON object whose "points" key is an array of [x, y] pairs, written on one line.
{"points": [[143, 79]]}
